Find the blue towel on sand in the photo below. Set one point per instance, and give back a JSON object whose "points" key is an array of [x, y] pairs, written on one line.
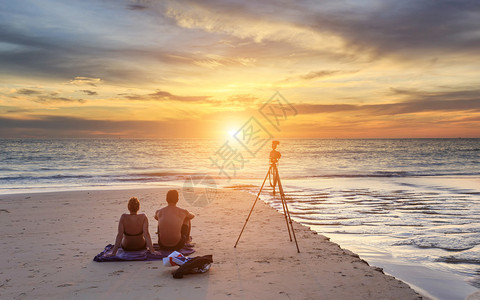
{"points": [[138, 255]]}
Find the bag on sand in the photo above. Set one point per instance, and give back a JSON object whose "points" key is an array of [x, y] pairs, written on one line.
{"points": [[175, 259], [199, 264]]}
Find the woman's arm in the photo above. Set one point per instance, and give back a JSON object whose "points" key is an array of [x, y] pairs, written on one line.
{"points": [[146, 235], [119, 238]]}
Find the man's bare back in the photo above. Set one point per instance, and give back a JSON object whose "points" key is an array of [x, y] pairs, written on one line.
{"points": [[171, 219]]}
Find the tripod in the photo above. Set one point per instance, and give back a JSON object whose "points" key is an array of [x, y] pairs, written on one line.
{"points": [[276, 179]]}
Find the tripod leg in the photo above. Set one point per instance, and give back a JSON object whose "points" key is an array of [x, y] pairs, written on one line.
{"points": [[275, 177], [284, 202], [251, 210], [272, 176], [280, 189]]}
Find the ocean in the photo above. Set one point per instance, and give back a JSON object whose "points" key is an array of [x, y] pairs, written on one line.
{"points": [[410, 206]]}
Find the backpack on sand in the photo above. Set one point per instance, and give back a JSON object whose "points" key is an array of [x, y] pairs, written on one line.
{"points": [[199, 264]]}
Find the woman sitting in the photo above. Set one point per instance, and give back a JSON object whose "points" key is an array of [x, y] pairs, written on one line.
{"points": [[133, 232]]}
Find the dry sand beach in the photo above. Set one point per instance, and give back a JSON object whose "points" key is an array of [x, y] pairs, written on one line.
{"points": [[48, 241]]}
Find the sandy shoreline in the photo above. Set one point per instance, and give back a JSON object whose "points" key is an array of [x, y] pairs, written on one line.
{"points": [[48, 241]]}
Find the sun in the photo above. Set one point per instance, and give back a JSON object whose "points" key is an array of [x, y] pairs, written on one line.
{"points": [[231, 132], [229, 125]]}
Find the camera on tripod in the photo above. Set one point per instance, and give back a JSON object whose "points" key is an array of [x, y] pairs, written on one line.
{"points": [[274, 154], [274, 179]]}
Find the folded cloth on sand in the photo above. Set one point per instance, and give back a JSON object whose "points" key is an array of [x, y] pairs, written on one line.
{"points": [[138, 255], [198, 264]]}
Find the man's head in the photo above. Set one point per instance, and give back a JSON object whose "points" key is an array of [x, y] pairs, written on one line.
{"points": [[172, 197]]}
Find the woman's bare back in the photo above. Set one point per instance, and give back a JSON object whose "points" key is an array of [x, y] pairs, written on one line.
{"points": [[133, 238]]}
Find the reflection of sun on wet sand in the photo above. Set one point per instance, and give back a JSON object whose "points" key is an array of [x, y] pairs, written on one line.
{"points": [[48, 241]]}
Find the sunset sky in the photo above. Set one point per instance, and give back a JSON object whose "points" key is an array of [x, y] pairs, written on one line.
{"points": [[201, 69]]}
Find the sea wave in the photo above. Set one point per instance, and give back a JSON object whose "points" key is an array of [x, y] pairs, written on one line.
{"points": [[460, 243], [386, 174], [36, 178], [460, 259]]}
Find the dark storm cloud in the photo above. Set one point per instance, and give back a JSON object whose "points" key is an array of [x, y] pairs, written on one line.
{"points": [[416, 102]]}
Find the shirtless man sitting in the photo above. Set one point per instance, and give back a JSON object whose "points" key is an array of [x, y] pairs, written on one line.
{"points": [[173, 224]]}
